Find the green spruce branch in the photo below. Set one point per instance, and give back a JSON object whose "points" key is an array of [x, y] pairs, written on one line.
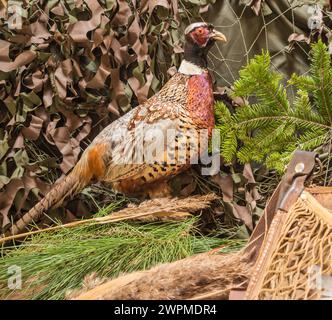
{"points": [[271, 129]]}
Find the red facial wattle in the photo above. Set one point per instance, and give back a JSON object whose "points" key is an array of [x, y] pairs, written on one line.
{"points": [[201, 36]]}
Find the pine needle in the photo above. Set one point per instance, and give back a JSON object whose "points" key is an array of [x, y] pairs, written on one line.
{"points": [[54, 263], [150, 210]]}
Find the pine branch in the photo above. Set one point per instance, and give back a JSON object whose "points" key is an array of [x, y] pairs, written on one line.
{"points": [[271, 129], [322, 76], [258, 79]]}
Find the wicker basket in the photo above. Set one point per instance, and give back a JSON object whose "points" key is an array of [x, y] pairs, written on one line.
{"points": [[295, 258]]}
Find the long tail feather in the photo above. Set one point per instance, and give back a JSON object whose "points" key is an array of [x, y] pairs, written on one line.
{"points": [[67, 187], [56, 195]]}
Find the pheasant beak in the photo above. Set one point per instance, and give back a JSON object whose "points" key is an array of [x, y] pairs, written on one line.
{"points": [[218, 36]]}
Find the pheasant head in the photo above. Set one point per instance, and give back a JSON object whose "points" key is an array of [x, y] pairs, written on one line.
{"points": [[199, 38]]}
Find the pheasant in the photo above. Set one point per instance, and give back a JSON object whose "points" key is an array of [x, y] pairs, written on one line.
{"points": [[184, 104]]}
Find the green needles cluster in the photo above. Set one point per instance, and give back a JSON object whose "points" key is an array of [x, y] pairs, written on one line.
{"points": [[271, 128], [53, 263]]}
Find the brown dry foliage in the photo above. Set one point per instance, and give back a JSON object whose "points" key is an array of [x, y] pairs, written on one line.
{"points": [[189, 278]]}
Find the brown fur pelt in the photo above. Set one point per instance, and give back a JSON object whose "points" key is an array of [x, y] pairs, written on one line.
{"points": [[207, 275]]}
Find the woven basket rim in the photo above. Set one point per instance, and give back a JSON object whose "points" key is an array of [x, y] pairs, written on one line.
{"points": [[317, 207]]}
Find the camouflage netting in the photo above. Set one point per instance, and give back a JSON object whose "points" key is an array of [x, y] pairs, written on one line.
{"points": [[68, 68], [68, 71]]}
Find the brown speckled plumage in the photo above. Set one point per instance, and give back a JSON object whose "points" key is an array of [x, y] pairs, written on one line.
{"points": [[173, 108], [183, 106]]}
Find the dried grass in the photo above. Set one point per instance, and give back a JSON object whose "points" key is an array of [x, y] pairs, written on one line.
{"points": [[148, 211], [204, 276]]}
